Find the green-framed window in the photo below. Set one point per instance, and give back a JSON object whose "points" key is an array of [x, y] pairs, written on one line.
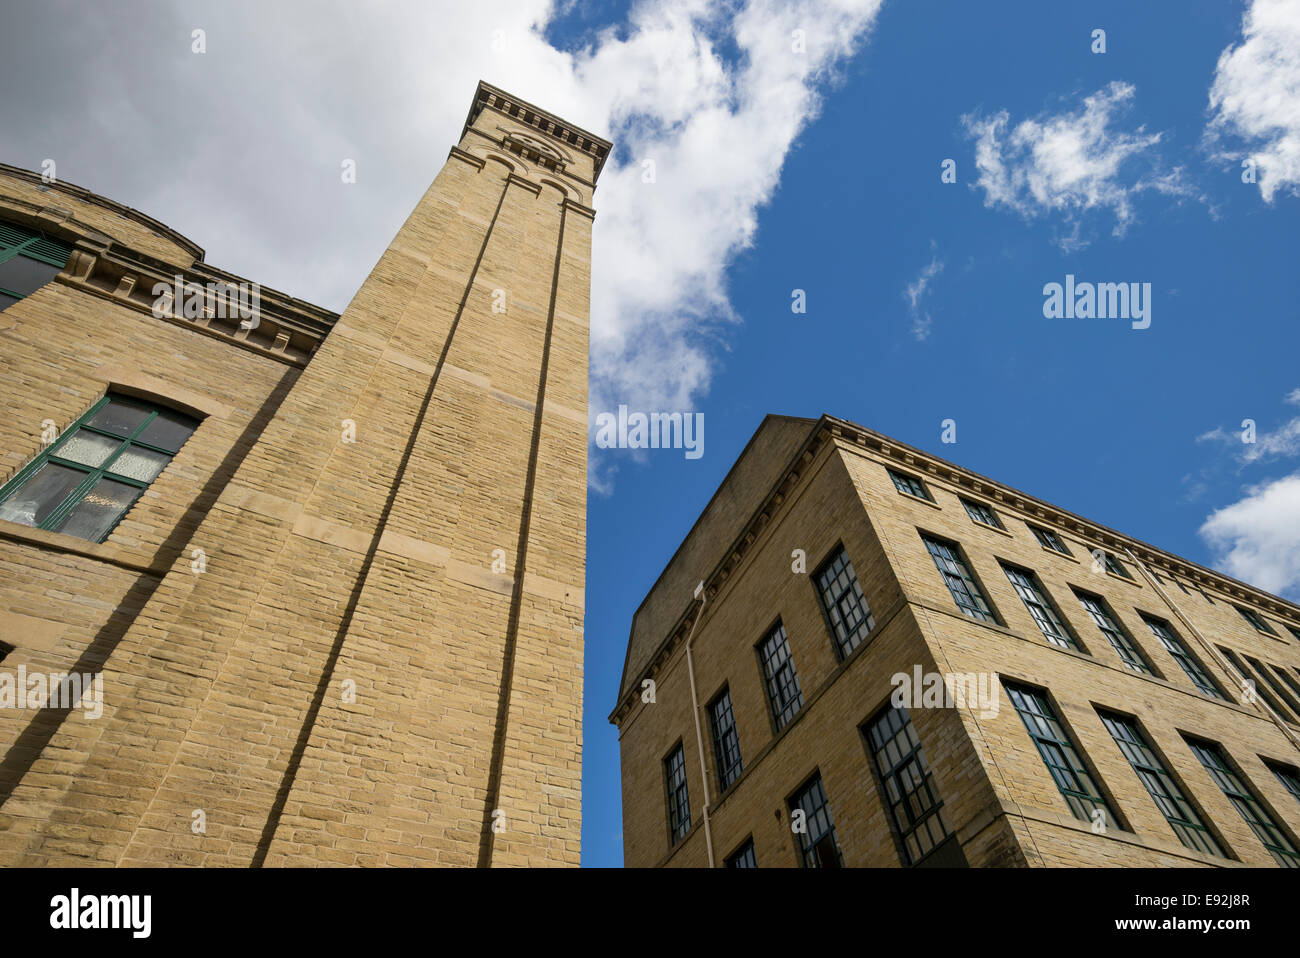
{"points": [[1115, 633], [818, 846], [726, 741], [1244, 799], [1182, 816], [907, 782], [1288, 775], [28, 260], [1062, 759], [743, 857], [679, 802], [1041, 607], [1049, 540], [1113, 565], [981, 513], [843, 602], [966, 592], [1163, 631], [1262, 690], [1257, 621], [910, 485], [84, 483], [782, 681]]}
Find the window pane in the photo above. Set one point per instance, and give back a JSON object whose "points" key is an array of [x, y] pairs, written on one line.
{"points": [[138, 463], [120, 417], [25, 276], [169, 430], [87, 448], [6, 301], [94, 515], [41, 494]]}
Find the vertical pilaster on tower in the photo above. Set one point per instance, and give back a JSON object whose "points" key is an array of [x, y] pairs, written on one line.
{"points": [[386, 665]]}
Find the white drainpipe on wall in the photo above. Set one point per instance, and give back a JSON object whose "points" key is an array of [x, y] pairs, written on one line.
{"points": [[699, 734]]}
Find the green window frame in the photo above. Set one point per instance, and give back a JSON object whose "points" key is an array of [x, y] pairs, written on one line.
{"points": [[88, 479], [1202, 679], [726, 740], [1256, 621], [1049, 540], [1178, 810], [679, 801], [20, 248], [910, 485], [1041, 607], [957, 576], [1260, 688], [1112, 565], [1244, 799], [907, 782], [1124, 645], [982, 514], [1288, 775], [1056, 748], [843, 603], [818, 845]]}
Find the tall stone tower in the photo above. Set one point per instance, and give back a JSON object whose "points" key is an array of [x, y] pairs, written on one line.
{"points": [[381, 661]]}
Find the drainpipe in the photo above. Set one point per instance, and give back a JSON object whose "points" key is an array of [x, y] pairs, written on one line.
{"points": [[699, 734], [1210, 649]]}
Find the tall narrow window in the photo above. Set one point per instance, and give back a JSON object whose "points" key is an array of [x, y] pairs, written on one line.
{"points": [[910, 485], [783, 693], [1113, 565], [965, 590], [1177, 809], [1278, 688], [679, 803], [1188, 662], [1253, 685], [908, 783], [1115, 633], [726, 743], [1244, 799], [1288, 775], [1257, 621], [1041, 608], [1049, 540], [28, 260], [1062, 759], [818, 847], [843, 602], [981, 513], [743, 857], [86, 481]]}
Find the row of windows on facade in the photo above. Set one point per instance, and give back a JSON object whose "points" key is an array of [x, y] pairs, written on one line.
{"points": [[985, 515], [84, 483], [906, 787], [916, 814], [1273, 683]]}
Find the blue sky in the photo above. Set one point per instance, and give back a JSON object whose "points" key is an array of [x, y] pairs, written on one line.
{"points": [[1103, 419]]}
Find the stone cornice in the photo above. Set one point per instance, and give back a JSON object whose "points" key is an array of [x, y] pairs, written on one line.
{"points": [[287, 329], [64, 188], [562, 131]]}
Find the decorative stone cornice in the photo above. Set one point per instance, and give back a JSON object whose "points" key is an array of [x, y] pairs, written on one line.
{"points": [[281, 327], [561, 131]]}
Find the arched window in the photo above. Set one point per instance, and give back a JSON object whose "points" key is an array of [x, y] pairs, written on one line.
{"points": [[84, 483], [28, 261]]}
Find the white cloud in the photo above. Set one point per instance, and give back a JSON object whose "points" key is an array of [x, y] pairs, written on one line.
{"points": [[1280, 443], [1071, 162], [1257, 539], [240, 148], [915, 293], [1256, 95]]}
